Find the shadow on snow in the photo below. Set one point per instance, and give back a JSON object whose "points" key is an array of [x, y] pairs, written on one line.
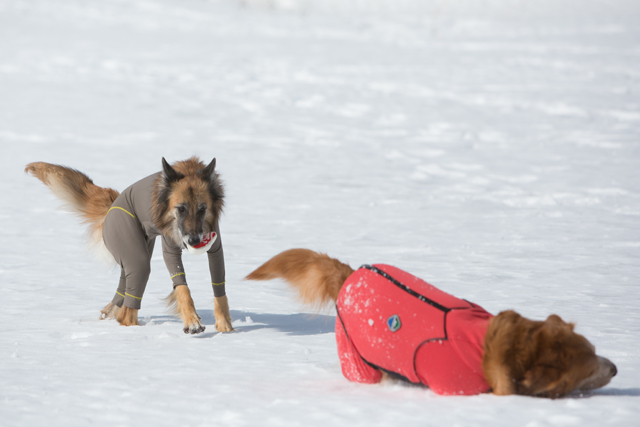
{"points": [[607, 392], [245, 321]]}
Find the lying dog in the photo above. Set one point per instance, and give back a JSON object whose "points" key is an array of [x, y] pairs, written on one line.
{"points": [[182, 204], [390, 321]]}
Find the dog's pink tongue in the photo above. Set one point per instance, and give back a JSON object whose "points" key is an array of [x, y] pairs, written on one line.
{"points": [[205, 240]]}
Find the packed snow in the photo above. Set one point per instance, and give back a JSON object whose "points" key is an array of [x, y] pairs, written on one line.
{"points": [[490, 147]]}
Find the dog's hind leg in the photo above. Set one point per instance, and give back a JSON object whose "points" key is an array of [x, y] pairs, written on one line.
{"points": [[116, 310], [182, 304], [110, 311], [223, 317], [125, 239], [127, 316]]}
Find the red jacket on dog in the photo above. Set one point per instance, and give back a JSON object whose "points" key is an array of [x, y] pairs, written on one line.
{"points": [[391, 320]]}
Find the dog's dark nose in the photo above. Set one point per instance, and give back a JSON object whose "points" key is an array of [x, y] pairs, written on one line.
{"points": [[609, 364], [194, 241]]}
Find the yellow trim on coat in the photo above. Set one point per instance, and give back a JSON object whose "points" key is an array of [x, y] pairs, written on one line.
{"points": [[122, 209]]}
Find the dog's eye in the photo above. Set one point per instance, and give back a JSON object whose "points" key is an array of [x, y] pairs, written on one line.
{"points": [[202, 209], [181, 209]]}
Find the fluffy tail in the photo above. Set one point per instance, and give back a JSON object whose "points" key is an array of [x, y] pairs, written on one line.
{"points": [[315, 276], [79, 194]]}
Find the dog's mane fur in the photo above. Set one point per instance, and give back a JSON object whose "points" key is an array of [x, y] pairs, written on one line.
{"points": [[193, 175]]}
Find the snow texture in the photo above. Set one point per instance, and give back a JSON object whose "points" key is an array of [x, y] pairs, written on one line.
{"points": [[490, 147]]}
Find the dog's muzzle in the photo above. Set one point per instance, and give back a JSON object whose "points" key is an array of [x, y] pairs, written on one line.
{"points": [[203, 245]]}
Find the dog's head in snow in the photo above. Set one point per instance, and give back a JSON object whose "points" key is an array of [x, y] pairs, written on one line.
{"points": [[187, 202], [541, 358]]}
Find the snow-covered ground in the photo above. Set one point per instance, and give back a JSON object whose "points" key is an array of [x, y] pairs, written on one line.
{"points": [[491, 147]]}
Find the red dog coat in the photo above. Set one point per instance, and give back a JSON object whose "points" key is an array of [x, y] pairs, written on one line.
{"points": [[391, 320]]}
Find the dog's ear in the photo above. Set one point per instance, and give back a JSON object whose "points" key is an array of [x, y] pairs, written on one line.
{"points": [[554, 319], [169, 174], [544, 373], [207, 173], [543, 380]]}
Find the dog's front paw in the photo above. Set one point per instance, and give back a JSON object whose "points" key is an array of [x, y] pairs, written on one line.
{"points": [[194, 328], [223, 325], [221, 311]]}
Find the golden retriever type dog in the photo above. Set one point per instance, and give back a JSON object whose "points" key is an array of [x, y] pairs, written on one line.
{"points": [[391, 322]]}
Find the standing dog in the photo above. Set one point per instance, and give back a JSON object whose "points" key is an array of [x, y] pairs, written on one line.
{"points": [[182, 204], [390, 321]]}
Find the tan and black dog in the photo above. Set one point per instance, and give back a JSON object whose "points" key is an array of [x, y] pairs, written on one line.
{"points": [[182, 204]]}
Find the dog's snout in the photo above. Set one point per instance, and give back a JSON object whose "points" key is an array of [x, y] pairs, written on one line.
{"points": [[609, 365], [194, 240]]}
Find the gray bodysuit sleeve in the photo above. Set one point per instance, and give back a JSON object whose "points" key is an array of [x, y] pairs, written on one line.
{"points": [[172, 255], [216, 266]]}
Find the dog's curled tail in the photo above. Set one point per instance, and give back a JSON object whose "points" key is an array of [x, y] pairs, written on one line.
{"points": [[317, 277], [78, 193]]}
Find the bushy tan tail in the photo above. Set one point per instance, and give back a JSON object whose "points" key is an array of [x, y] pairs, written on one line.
{"points": [[79, 194], [317, 277]]}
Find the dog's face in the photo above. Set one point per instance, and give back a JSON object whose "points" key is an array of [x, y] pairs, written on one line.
{"points": [[546, 359], [188, 201], [190, 206]]}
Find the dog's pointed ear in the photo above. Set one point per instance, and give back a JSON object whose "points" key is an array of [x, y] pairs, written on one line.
{"points": [[209, 170], [169, 174]]}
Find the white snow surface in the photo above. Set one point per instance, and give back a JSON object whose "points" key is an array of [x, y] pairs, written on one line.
{"points": [[490, 147]]}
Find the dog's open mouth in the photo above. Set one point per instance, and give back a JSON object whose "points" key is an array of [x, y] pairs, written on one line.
{"points": [[205, 244]]}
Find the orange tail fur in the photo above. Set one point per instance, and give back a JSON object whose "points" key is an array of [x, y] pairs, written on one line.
{"points": [[317, 277], [79, 194]]}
